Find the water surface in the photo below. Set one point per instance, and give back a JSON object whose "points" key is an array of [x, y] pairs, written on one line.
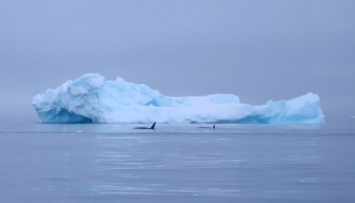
{"points": [[177, 163]]}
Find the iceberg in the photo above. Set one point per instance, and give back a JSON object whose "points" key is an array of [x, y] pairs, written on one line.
{"points": [[92, 99]]}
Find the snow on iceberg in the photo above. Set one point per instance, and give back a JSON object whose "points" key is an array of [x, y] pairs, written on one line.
{"points": [[90, 98]]}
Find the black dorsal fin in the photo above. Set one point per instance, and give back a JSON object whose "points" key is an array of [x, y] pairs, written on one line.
{"points": [[153, 126]]}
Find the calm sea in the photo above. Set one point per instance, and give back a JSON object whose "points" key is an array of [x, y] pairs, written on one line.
{"points": [[101, 163]]}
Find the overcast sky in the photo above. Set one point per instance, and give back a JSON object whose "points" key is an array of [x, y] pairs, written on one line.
{"points": [[258, 50]]}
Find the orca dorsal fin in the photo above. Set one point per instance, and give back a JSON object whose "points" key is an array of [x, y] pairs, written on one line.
{"points": [[153, 125], [214, 126]]}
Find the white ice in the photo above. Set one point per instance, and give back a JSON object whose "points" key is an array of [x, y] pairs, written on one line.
{"points": [[91, 98]]}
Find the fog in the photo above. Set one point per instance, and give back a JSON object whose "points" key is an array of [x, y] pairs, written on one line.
{"points": [[258, 50]]}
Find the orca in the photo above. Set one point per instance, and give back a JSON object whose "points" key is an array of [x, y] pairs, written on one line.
{"points": [[214, 127], [151, 128]]}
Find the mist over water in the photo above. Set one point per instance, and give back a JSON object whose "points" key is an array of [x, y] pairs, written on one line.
{"points": [[177, 163], [259, 50]]}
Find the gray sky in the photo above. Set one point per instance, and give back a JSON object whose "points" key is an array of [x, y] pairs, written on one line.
{"points": [[258, 50]]}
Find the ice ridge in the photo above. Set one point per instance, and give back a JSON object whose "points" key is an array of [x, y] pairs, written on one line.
{"points": [[92, 99]]}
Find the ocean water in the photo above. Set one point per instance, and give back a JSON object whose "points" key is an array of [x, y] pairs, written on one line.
{"points": [[177, 163]]}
